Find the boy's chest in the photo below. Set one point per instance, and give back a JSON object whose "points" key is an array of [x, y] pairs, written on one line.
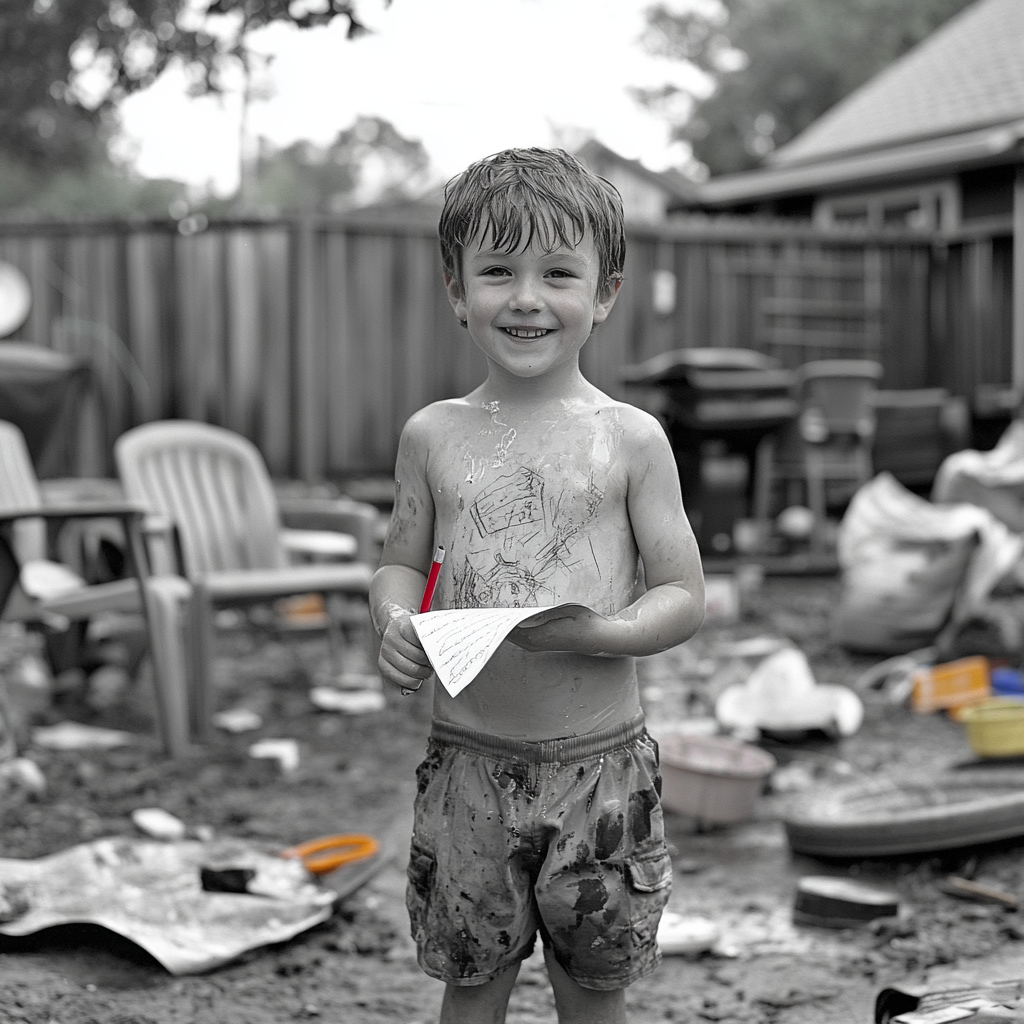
{"points": [[527, 519]]}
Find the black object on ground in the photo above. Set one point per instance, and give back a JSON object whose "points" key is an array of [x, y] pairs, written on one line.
{"points": [[828, 902]]}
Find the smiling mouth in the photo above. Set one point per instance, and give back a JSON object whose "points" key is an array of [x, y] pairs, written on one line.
{"points": [[527, 333]]}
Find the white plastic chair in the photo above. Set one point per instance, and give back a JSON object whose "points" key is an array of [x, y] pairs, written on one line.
{"points": [[38, 591], [213, 488], [830, 440]]}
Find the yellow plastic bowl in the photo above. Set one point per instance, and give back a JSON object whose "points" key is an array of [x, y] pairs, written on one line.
{"points": [[995, 728]]}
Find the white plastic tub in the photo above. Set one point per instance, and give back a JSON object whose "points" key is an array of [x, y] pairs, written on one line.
{"points": [[714, 779]]}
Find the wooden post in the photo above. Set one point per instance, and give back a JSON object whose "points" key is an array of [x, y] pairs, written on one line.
{"points": [[1018, 282], [309, 421]]}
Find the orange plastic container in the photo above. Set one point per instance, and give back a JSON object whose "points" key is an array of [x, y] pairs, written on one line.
{"points": [[952, 685]]}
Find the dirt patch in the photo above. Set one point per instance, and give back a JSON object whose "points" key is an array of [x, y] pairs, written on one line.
{"points": [[357, 774]]}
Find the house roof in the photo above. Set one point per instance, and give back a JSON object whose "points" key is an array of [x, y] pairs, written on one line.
{"points": [[674, 184], [999, 144], [954, 100], [967, 74]]}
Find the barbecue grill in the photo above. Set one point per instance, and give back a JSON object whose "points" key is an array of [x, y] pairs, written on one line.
{"points": [[719, 403]]}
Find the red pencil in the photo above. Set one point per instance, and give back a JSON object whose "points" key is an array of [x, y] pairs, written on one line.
{"points": [[428, 590]]}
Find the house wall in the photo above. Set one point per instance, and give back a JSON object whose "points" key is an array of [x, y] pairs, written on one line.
{"points": [[318, 338], [642, 201]]}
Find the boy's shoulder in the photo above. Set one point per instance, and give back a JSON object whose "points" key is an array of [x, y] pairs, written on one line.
{"points": [[636, 425], [433, 418]]}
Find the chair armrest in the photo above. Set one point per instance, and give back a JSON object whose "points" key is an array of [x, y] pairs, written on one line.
{"points": [[340, 515], [323, 544], [82, 510], [130, 513]]}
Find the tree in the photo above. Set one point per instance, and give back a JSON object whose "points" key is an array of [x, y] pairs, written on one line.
{"points": [[100, 188], [370, 160], [776, 66], [65, 64]]}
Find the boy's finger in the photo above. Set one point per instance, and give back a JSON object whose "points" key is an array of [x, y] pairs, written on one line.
{"points": [[406, 666], [414, 654], [397, 678]]}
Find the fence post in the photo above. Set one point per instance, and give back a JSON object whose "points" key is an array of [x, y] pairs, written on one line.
{"points": [[1017, 344], [309, 419]]}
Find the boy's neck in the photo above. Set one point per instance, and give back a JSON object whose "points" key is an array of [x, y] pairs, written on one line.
{"points": [[560, 384]]}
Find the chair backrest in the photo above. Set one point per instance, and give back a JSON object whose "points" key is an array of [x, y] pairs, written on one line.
{"points": [[841, 390], [19, 489], [213, 485]]}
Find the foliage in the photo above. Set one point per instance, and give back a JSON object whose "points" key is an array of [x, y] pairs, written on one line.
{"points": [[371, 159], [777, 65], [64, 64], [101, 188]]}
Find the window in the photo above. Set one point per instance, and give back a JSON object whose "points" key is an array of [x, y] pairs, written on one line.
{"points": [[927, 207]]}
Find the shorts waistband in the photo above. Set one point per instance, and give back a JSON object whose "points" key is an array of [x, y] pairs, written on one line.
{"points": [[557, 751]]}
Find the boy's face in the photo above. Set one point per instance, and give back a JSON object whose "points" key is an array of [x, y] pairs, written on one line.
{"points": [[530, 310]]}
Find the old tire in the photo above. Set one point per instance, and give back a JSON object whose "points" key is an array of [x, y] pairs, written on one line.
{"points": [[884, 818]]}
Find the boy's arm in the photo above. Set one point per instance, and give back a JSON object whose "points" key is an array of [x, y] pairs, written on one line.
{"points": [[397, 586], [672, 608]]}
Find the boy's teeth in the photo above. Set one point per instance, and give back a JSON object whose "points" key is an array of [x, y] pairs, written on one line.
{"points": [[520, 332]]}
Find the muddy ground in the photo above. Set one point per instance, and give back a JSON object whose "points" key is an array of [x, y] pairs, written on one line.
{"points": [[356, 774]]}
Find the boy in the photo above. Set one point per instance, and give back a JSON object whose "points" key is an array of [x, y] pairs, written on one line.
{"points": [[537, 806]]}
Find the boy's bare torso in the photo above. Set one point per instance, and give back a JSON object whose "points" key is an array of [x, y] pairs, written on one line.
{"points": [[531, 507]]}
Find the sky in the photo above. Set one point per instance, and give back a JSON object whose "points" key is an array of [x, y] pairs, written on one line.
{"points": [[466, 77]]}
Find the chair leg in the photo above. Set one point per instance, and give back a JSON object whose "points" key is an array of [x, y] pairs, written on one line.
{"points": [[335, 637], [764, 477], [815, 470], [339, 611], [202, 698], [166, 599]]}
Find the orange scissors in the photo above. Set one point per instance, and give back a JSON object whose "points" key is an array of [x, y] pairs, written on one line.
{"points": [[321, 856]]}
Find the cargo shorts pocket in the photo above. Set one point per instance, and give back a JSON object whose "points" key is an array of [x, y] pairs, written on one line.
{"points": [[650, 878], [420, 877], [650, 870]]}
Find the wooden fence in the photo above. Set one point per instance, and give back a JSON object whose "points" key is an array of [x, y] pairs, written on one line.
{"points": [[317, 338]]}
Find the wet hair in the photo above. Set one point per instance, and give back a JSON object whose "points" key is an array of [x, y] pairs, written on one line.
{"points": [[519, 195]]}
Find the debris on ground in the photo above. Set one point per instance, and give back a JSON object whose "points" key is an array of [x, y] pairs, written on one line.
{"points": [[157, 823], [238, 719], [284, 751], [826, 901], [80, 736], [782, 697], [151, 893]]}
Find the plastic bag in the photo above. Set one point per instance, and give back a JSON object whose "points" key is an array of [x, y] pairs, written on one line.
{"points": [[911, 567], [992, 480]]}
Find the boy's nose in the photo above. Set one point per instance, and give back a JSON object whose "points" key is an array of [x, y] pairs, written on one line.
{"points": [[525, 296]]}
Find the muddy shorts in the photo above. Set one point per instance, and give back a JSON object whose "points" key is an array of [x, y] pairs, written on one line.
{"points": [[564, 837]]}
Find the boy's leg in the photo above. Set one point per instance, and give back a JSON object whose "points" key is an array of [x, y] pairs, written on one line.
{"points": [[578, 1005], [479, 1004]]}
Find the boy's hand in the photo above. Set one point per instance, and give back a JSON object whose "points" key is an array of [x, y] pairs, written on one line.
{"points": [[579, 630], [402, 660]]}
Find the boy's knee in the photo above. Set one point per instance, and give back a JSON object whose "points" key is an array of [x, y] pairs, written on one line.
{"points": [[467, 1004]]}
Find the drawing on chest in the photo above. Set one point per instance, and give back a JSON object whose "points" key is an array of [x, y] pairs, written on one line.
{"points": [[513, 500], [524, 534]]}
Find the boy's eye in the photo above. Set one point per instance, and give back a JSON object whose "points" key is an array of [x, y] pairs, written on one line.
{"points": [[560, 273], [495, 272]]}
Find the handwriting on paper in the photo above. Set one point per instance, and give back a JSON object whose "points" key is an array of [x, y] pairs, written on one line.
{"points": [[460, 641]]}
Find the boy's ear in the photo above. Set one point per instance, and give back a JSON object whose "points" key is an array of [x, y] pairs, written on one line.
{"points": [[455, 296], [605, 300]]}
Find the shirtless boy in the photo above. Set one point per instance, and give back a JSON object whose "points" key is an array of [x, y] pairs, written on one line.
{"points": [[537, 806]]}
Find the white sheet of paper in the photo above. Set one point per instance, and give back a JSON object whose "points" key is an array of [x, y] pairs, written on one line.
{"points": [[460, 641]]}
